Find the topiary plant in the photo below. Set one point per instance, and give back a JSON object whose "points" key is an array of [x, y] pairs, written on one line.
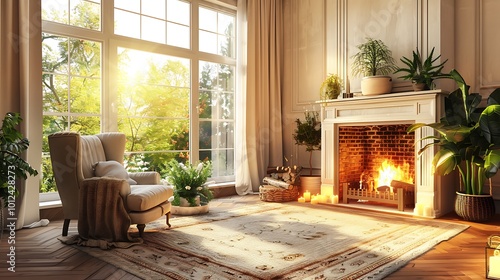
{"points": [[308, 133]]}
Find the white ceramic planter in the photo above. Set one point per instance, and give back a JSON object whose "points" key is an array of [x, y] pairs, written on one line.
{"points": [[376, 85], [188, 211]]}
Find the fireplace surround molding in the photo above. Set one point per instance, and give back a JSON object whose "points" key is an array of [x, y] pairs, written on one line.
{"points": [[435, 193]]}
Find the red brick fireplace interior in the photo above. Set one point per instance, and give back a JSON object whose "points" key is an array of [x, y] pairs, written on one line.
{"points": [[363, 149]]}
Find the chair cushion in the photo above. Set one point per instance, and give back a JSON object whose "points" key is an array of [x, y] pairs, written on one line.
{"points": [[112, 169], [144, 197]]}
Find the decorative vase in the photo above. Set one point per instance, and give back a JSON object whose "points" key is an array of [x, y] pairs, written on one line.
{"points": [[475, 208]]}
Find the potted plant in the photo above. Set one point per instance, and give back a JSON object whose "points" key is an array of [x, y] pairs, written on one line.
{"points": [[308, 134], [421, 73], [13, 166], [331, 87], [190, 184], [469, 141], [374, 61]]}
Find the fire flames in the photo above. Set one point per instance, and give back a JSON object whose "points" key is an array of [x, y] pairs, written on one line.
{"points": [[388, 172]]}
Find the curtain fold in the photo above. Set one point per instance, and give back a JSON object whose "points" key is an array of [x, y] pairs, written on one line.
{"points": [[260, 125], [20, 83]]}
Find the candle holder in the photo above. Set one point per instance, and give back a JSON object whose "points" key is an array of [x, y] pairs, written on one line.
{"points": [[492, 257]]}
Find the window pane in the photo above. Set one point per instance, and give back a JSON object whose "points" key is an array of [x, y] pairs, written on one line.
{"points": [[154, 8], [52, 124], [178, 35], [178, 11], [81, 13], [85, 95], [127, 24], [153, 101], [55, 93], [85, 58], [85, 14], [208, 20], [85, 125], [208, 42], [52, 47], [153, 30], [55, 10], [129, 5], [216, 33], [226, 25]]}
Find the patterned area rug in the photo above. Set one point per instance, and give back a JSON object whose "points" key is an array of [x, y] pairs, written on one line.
{"points": [[280, 241]]}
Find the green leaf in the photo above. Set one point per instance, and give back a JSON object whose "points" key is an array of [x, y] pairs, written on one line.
{"points": [[444, 162], [489, 123], [492, 163]]}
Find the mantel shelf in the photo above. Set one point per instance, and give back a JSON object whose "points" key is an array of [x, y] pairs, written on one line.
{"points": [[380, 96]]}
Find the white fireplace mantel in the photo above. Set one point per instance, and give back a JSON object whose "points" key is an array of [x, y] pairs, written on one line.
{"points": [[432, 191]]}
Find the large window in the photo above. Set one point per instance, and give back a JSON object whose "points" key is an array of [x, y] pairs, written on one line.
{"points": [[131, 66]]}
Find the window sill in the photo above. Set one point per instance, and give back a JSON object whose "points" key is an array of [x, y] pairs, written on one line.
{"points": [[50, 204]]}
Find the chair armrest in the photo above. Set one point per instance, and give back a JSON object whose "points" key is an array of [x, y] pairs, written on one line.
{"points": [[146, 178]]}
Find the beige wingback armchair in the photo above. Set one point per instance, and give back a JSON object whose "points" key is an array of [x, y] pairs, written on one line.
{"points": [[74, 159]]}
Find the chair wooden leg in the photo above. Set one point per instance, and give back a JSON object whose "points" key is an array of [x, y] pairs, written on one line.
{"points": [[168, 219], [65, 227], [141, 227]]}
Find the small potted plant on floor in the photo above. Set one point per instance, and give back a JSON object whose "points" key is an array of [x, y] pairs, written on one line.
{"points": [[308, 134], [421, 73], [190, 185], [374, 61], [469, 141]]}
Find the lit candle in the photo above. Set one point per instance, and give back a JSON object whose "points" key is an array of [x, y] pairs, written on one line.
{"points": [[494, 267], [419, 209], [314, 200], [302, 200], [307, 196], [322, 198], [335, 199], [427, 211]]}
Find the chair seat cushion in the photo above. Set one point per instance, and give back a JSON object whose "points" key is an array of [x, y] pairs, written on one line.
{"points": [[144, 197], [112, 169]]}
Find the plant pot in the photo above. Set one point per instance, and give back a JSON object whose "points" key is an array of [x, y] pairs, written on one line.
{"points": [[375, 85], [184, 203], [189, 211], [418, 86], [475, 208], [311, 183]]}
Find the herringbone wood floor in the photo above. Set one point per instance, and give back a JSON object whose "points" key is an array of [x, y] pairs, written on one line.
{"points": [[39, 255]]}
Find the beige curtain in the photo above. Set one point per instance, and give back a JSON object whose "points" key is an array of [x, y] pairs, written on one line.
{"points": [[20, 90], [259, 126]]}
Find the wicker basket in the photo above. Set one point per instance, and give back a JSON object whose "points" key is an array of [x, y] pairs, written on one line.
{"points": [[476, 208], [277, 194]]}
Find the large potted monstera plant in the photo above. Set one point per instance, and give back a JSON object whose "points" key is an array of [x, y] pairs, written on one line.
{"points": [[469, 141]]}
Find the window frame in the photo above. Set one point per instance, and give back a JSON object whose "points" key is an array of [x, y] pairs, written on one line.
{"points": [[110, 43]]}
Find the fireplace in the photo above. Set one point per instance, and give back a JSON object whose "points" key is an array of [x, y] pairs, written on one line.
{"points": [[363, 133]]}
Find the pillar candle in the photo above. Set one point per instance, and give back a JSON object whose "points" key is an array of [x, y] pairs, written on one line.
{"points": [[302, 200], [419, 209], [494, 267], [427, 211], [314, 199], [335, 199], [307, 196]]}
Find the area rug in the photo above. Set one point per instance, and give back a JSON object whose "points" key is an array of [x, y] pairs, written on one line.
{"points": [[280, 241]]}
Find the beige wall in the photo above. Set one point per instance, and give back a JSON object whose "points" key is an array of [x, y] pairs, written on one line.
{"points": [[321, 36]]}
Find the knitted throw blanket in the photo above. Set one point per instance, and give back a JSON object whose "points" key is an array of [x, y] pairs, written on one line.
{"points": [[103, 220]]}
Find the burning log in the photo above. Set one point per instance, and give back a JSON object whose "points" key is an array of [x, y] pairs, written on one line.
{"points": [[402, 185]]}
